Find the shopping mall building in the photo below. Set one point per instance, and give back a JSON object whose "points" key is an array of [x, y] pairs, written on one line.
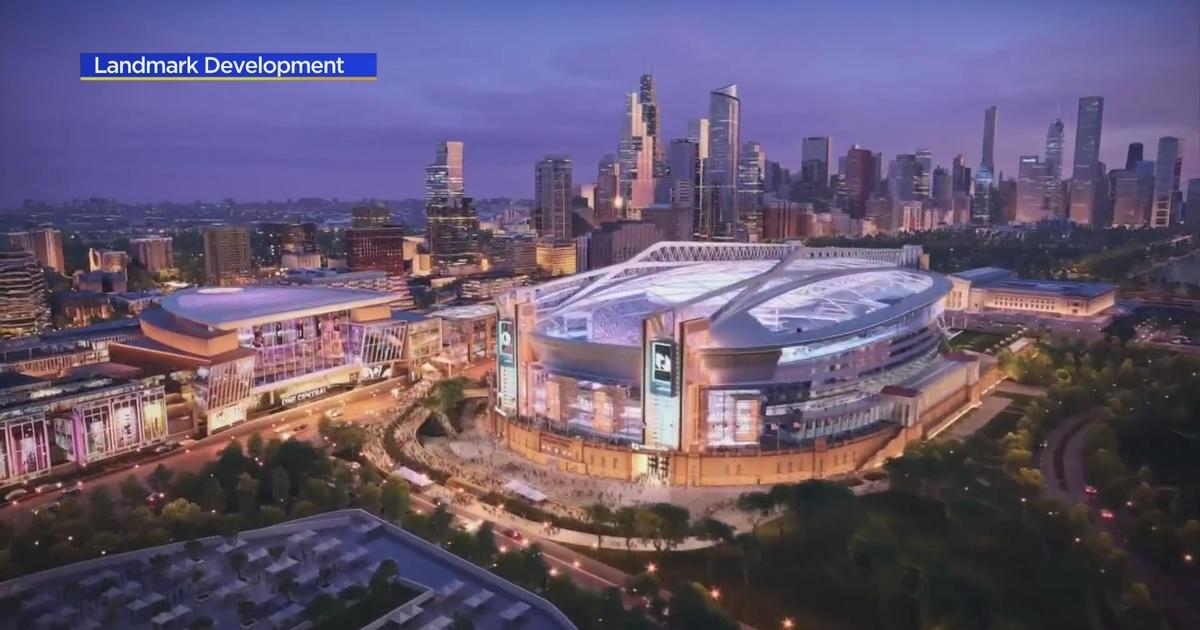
{"points": [[258, 348], [707, 364]]}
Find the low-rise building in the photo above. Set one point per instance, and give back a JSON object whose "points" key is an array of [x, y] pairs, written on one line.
{"points": [[995, 289]]}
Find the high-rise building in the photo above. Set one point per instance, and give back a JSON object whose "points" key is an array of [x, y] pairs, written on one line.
{"points": [[904, 178], [752, 166], [1053, 161], [16, 241], [608, 190], [556, 257], [1191, 215], [683, 160], [48, 247], [107, 260], [516, 253], [1167, 169], [981, 197], [673, 223], [942, 190], [635, 152], [452, 226], [370, 216], [376, 249], [1134, 155], [719, 201], [616, 242], [227, 256], [274, 240], [698, 133], [1031, 190], [1133, 195], [23, 309], [153, 252], [860, 180], [648, 96], [989, 139], [552, 197], [1084, 176], [815, 157], [924, 183]]}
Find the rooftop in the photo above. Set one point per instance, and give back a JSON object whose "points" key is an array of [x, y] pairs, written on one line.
{"points": [[471, 311], [327, 553], [1065, 288], [230, 308]]}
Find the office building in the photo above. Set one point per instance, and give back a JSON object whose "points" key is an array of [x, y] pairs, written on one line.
{"points": [[23, 309], [961, 174], [48, 247], [556, 258], [942, 192], [370, 216], [635, 152], [719, 200], [552, 197], [376, 249], [1191, 216], [452, 226], [617, 242], [1134, 155], [815, 155], [1032, 204], [1085, 176], [860, 180], [781, 222], [673, 223], [1167, 170], [513, 253], [981, 199], [752, 165], [112, 261], [651, 117], [608, 190], [278, 239], [227, 256], [683, 161], [155, 253], [1053, 179], [16, 241], [1133, 197], [905, 176], [989, 139], [923, 183]]}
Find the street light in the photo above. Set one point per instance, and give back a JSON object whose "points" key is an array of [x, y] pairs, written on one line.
{"points": [[788, 623], [651, 568]]}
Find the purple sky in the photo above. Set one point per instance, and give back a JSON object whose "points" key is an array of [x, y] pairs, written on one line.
{"points": [[515, 80]]}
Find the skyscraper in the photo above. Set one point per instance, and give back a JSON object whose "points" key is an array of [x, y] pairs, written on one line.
{"points": [[23, 309], [648, 96], [608, 190], [989, 139], [923, 182], [1133, 195], [370, 216], [1167, 169], [860, 180], [376, 249], [1134, 155], [698, 133], [1053, 162], [48, 247], [752, 165], [904, 174], [719, 202], [452, 226], [153, 252], [1191, 214], [635, 152], [683, 160], [1031, 190], [1087, 154], [226, 255], [815, 157], [981, 197], [552, 197]]}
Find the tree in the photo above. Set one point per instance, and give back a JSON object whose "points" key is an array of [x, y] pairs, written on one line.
{"points": [[101, 511], [625, 519], [439, 522], [757, 505], [254, 446], [394, 499], [693, 607], [709, 528], [281, 485], [600, 515], [212, 497], [159, 478], [648, 525], [751, 553], [485, 544], [316, 492], [673, 524], [132, 491], [370, 498], [247, 495]]}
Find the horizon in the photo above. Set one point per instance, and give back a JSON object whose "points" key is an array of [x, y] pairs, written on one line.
{"points": [[529, 82]]}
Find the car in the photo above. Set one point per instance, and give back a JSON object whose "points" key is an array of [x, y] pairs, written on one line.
{"points": [[513, 534], [1107, 515], [16, 494], [333, 414], [299, 427], [355, 466], [47, 487], [75, 489], [155, 498], [1090, 490], [52, 506], [164, 448]]}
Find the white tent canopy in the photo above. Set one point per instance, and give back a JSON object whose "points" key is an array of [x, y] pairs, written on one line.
{"points": [[525, 490], [417, 479]]}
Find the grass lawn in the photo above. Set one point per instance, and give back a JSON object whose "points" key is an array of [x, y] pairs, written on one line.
{"points": [[805, 572], [974, 340]]}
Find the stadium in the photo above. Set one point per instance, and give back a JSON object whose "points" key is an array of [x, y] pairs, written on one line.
{"points": [[728, 363]]}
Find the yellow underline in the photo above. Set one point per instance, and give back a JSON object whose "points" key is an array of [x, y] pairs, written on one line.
{"points": [[227, 78]]}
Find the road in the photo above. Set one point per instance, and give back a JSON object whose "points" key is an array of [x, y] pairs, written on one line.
{"points": [[1061, 465], [365, 405]]}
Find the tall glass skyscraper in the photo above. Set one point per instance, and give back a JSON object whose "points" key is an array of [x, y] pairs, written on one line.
{"points": [[452, 226], [815, 157], [648, 96], [1087, 154], [989, 139], [1053, 162], [1167, 169], [719, 212], [552, 197], [635, 152]]}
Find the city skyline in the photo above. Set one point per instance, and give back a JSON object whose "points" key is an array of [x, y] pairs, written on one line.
{"points": [[146, 143]]}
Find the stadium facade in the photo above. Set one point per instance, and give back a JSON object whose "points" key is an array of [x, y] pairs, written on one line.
{"points": [[728, 363]]}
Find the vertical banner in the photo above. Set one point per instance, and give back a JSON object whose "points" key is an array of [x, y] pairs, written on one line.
{"points": [[660, 379], [506, 360]]}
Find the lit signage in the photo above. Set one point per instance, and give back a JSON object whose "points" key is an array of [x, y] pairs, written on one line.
{"points": [[506, 344], [504, 339], [307, 394], [662, 368]]}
